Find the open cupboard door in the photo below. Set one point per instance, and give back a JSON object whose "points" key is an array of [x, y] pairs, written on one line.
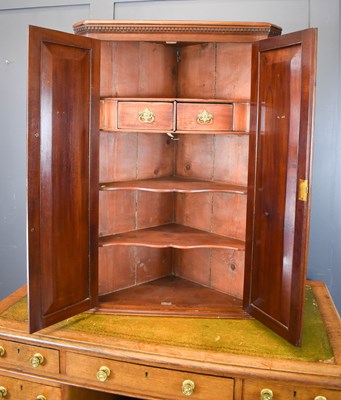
{"points": [[283, 78], [63, 106]]}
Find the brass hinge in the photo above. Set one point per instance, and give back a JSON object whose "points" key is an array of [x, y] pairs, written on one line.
{"points": [[303, 190]]}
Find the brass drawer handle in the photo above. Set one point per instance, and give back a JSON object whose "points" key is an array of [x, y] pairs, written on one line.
{"points": [[3, 392], [205, 118], [320, 398], [146, 116], [103, 374], [188, 387], [41, 397], [2, 351], [36, 360], [266, 394]]}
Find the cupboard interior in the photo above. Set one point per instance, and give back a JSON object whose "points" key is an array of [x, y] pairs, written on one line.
{"points": [[172, 213]]}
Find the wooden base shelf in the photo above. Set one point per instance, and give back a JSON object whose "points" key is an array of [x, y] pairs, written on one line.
{"points": [[173, 296], [172, 235], [174, 184]]}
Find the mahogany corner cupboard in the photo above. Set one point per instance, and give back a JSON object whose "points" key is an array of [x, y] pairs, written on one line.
{"points": [[169, 171]]}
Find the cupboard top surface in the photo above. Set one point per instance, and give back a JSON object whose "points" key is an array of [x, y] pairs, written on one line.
{"points": [[182, 30]]}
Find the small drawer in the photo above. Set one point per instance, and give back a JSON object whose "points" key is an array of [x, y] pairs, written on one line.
{"points": [[266, 390], [141, 115], [138, 380], [204, 117], [26, 357], [19, 389]]}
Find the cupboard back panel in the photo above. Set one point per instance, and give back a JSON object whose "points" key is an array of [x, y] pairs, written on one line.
{"points": [[125, 266], [121, 267], [218, 269], [213, 157], [129, 156], [221, 213], [127, 210], [233, 66], [155, 155], [196, 71], [215, 71], [138, 69], [118, 154]]}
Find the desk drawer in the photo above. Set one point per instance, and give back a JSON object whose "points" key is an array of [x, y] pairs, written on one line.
{"points": [[204, 117], [19, 389], [286, 391], [26, 357], [148, 382], [140, 115]]}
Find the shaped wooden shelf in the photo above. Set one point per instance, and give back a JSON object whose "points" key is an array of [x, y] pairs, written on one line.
{"points": [[174, 184], [172, 235], [173, 296]]}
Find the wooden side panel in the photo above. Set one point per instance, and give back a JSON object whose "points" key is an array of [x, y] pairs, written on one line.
{"points": [[221, 213], [278, 222], [130, 156], [125, 266], [62, 175], [231, 159], [196, 71], [138, 69], [219, 269], [127, 210], [233, 71], [118, 152]]}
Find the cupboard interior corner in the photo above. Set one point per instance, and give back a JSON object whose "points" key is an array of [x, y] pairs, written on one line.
{"points": [[174, 137]]}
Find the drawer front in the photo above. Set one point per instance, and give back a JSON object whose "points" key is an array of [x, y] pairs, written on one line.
{"points": [[19, 389], [27, 357], [140, 115], [139, 380], [286, 391], [204, 117]]}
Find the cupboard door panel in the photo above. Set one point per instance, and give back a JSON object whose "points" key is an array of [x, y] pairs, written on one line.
{"points": [[62, 175], [280, 147]]}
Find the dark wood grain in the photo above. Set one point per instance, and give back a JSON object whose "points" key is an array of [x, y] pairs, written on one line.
{"points": [[62, 171], [278, 221]]}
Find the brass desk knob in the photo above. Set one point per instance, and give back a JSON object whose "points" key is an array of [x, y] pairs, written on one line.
{"points": [[36, 360], [3, 392], [41, 397], [204, 118], [103, 374], [188, 387], [2, 351], [266, 394], [146, 116], [320, 398]]}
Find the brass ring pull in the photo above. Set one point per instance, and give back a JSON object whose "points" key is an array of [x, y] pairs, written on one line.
{"points": [[188, 387], [266, 394], [205, 118], [103, 374], [2, 351], [320, 398], [36, 360], [3, 392], [41, 397], [146, 116]]}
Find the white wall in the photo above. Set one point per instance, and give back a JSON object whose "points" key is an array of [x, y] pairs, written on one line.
{"points": [[15, 15]]}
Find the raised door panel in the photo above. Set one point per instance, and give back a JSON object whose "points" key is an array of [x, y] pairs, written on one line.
{"points": [[62, 175], [280, 149]]}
